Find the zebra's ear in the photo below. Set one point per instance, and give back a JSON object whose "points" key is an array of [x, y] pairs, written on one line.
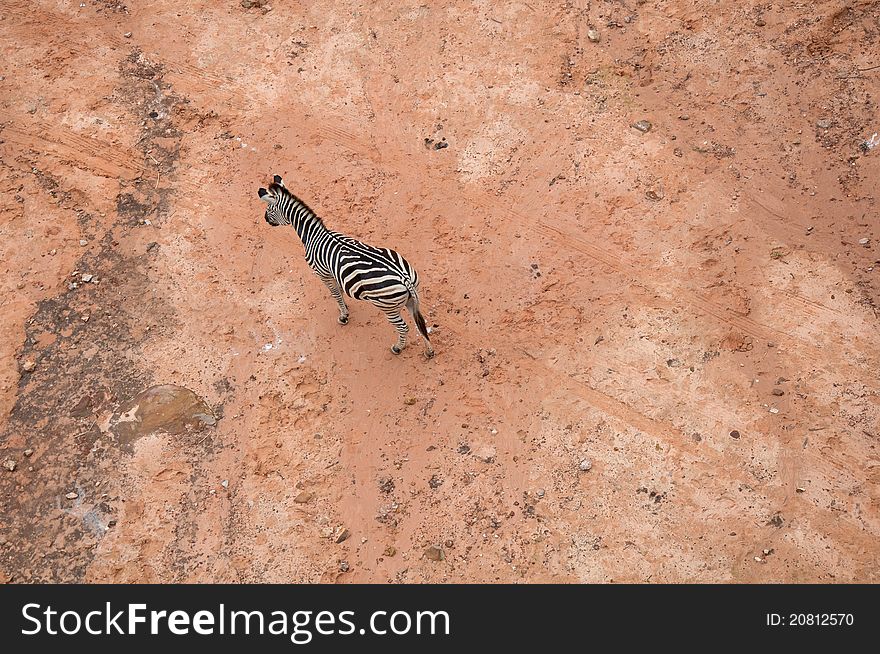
{"points": [[278, 180], [264, 195]]}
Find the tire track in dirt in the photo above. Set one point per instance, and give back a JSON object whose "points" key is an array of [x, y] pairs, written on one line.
{"points": [[88, 153]]}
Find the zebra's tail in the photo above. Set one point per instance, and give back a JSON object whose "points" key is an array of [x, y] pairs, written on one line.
{"points": [[413, 305]]}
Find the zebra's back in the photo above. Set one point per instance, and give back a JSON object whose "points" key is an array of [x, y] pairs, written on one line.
{"points": [[378, 275]]}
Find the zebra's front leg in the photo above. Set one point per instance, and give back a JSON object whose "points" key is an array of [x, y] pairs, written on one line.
{"points": [[401, 327], [330, 282]]}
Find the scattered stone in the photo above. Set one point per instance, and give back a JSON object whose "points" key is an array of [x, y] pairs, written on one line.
{"points": [[71, 496], [390, 551], [386, 485], [127, 35], [585, 465], [172, 409], [653, 194], [9, 464], [87, 278], [304, 497], [85, 318], [152, 246], [464, 448], [800, 489], [83, 242], [435, 482], [485, 453], [343, 566], [409, 401], [225, 483], [778, 392], [734, 434], [643, 126], [678, 152], [864, 241], [777, 521], [593, 35], [684, 117], [342, 534], [673, 363], [28, 365], [760, 22], [823, 123], [435, 553], [540, 492], [439, 145], [774, 410], [28, 452]]}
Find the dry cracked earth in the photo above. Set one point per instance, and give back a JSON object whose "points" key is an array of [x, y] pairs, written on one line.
{"points": [[657, 344]]}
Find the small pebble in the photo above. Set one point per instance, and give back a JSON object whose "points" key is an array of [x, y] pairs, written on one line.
{"points": [[864, 241], [435, 553], [303, 497], [643, 126], [71, 496], [593, 35], [9, 464], [342, 534], [774, 410], [83, 242], [585, 465], [540, 492], [28, 452], [87, 278], [778, 392], [225, 483], [28, 365], [390, 551], [734, 434], [127, 35], [343, 566], [824, 123]]}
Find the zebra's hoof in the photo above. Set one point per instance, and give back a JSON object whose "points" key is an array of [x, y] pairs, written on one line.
{"points": [[395, 349], [343, 320]]}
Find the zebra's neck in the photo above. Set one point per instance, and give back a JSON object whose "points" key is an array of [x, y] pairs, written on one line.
{"points": [[304, 220]]}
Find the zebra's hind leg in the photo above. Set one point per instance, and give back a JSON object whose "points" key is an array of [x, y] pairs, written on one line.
{"points": [[330, 283], [402, 328]]}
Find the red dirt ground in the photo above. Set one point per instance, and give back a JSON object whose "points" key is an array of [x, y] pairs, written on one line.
{"points": [[689, 309]]}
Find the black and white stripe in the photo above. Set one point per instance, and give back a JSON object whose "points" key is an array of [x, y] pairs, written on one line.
{"points": [[345, 265]]}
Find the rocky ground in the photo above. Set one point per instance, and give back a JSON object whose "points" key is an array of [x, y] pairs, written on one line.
{"points": [[647, 234]]}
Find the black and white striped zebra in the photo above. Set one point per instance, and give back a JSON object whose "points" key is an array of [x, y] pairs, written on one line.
{"points": [[378, 275]]}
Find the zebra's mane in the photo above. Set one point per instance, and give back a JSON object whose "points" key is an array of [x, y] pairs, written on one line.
{"points": [[278, 189]]}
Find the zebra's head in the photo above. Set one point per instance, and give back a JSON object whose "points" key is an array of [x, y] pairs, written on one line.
{"points": [[271, 196]]}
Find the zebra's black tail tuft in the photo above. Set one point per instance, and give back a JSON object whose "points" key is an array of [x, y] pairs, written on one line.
{"points": [[420, 323], [413, 306]]}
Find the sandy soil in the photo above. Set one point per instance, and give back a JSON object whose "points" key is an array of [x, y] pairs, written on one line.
{"points": [[689, 311]]}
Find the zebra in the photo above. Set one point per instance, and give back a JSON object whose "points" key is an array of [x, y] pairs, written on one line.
{"points": [[378, 275]]}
